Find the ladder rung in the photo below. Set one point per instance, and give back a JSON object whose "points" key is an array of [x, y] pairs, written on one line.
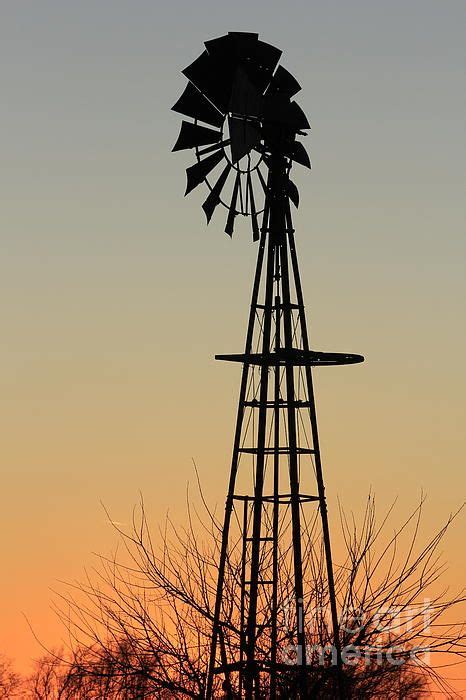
{"points": [[285, 499], [282, 305], [282, 498], [259, 539], [280, 450], [260, 581], [255, 403]]}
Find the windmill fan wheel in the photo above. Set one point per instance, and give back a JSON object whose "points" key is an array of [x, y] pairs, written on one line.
{"points": [[242, 117]]}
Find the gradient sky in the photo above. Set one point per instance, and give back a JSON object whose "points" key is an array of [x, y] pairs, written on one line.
{"points": [[115, 296]]}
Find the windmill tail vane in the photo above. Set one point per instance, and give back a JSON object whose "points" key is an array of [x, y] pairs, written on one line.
{"points": [[275, 508]]}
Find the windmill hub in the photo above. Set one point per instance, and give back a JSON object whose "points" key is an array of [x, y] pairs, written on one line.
{"points": [[242, 137]]}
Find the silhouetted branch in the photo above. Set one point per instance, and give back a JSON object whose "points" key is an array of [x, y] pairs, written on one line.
{"points": [[140, 623]]}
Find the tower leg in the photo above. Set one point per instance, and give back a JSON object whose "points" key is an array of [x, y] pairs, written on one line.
{"points": [[318, 462], [293, 469], [234, 469], [251, 670]]}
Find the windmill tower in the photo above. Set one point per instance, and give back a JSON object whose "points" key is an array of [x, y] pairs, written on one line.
{"points": [[275, 508]]}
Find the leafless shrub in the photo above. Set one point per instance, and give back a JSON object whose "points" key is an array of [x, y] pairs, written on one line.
{"points": [[139, 626], [10, 681]]}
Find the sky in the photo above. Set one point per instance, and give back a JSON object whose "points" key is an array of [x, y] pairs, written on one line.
{"points": [[115, 296]]}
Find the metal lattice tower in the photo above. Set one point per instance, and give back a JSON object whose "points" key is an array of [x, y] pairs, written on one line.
{"points": [[275, 521]]}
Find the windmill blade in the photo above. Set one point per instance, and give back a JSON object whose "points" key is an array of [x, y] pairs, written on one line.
{"points": [[198, 172], [213, 200], [256, 57], [194, 135], [221, 48], [244, 47], [212, 78], [232, 211], [244, 136], [283, 83], [239, 45], [262, 63], [293, 193], [192, 103], [267, 55], [278, 109], [255, 226], [245, 98], [209, 149], [262, 181], [297, 116], [299, 154]]}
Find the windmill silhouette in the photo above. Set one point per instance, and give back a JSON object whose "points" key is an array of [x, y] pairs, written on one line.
{"points": [[276, 492]]}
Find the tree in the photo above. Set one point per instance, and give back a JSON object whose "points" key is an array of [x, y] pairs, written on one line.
{"points": [[10, 681], [84, 675], [49, 680], [140, 625]]}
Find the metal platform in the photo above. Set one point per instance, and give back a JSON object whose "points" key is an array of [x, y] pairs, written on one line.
{"points": [[295, 357]]}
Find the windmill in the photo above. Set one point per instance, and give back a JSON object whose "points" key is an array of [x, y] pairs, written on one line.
{"points": [[245, 128]]}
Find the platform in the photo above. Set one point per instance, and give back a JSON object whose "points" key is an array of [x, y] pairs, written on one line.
{"points": [[295, 357]]}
